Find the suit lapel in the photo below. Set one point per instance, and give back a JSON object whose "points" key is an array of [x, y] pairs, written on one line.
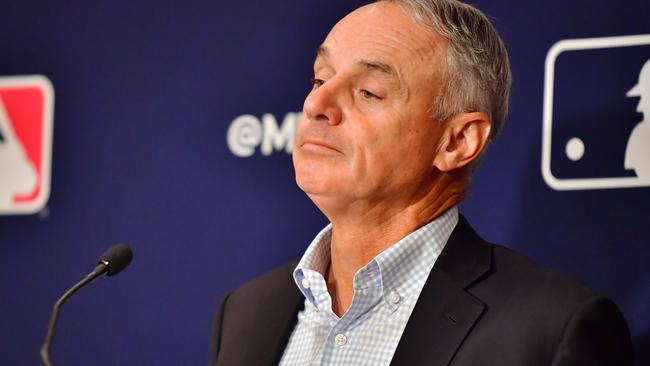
{"points": [[445, 313], [278, 313]]}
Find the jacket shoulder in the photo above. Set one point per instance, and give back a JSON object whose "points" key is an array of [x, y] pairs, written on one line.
{"points": [[533, 281], [262, 312], [275, 281], [537, 315]]}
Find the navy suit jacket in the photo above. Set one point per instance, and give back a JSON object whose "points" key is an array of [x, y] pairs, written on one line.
{"points": [[482, 304]]}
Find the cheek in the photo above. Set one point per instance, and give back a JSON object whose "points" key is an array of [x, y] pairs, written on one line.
{"points": [[375, 157], [300, 130], [403, 154]]}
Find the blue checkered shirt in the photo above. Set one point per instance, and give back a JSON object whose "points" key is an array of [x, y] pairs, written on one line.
{"points": [[385, 293]]}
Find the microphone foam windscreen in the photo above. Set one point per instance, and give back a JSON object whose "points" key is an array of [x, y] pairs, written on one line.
{"points": [[118, 257]]}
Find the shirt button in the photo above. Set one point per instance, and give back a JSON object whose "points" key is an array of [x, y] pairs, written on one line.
{"points": [[394, 298], [340, 340], [305, 283]]}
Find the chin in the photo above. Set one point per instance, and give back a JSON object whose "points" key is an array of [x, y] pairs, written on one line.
{"points": [[317, 175], [310, 183], [315, 183]]}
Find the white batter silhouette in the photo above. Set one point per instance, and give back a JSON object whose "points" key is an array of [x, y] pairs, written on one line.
{"points": [[17, 173], [637, 155]]}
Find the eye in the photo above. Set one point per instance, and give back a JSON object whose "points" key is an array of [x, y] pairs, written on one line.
{"points": [[368, 94], [315, 83]]}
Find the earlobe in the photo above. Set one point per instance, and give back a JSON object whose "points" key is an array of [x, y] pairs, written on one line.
{"points": [[463, 140]]}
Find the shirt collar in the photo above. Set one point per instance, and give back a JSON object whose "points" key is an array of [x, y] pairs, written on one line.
{"points": [[400, 270], [405, 265]]}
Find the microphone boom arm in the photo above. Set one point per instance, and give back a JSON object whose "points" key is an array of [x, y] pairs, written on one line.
{"points": [[101, 268]]}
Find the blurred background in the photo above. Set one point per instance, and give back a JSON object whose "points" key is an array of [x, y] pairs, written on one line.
{"points": [[170, 130]]}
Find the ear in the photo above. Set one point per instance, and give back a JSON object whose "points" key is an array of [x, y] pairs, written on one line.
{"points": [[462, 140]]}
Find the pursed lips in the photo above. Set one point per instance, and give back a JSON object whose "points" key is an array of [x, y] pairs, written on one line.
{"points": [[318, 144]]}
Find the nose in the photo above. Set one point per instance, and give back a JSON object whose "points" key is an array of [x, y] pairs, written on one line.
{"points": [[323, 104]]}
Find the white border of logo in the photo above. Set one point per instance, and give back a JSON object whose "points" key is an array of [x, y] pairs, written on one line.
{"points": [[46, 152], [549, 78]]}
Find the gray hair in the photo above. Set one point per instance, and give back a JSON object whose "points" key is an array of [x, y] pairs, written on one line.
{"points": [[478, 69]]}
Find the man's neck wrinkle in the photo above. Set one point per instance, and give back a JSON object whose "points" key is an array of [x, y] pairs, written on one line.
{"points": [[363, 230], [366, 233]]}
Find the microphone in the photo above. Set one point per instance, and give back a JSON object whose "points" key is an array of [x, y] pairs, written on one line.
{"points": [[114, 260]]}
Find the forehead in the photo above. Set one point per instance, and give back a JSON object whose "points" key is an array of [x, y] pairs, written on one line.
{"points": [[384, 32]]}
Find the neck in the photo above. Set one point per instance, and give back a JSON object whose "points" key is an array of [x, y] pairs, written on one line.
{"points": [[364, 229]]}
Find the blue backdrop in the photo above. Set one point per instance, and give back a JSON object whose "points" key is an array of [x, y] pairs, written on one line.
{"points": [[145, 96]]}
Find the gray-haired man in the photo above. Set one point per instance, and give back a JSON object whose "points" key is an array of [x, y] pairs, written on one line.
{"points": [[406, 95]]}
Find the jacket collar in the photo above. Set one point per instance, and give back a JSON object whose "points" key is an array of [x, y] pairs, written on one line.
{"points": [[443, 315], [445, 312], [279, 311]]}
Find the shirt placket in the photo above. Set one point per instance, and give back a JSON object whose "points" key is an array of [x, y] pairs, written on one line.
{"points": [[340, 342]]}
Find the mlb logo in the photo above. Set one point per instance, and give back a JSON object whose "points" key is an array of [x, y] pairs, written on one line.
{"points": [[596, 124], [26, 112]]}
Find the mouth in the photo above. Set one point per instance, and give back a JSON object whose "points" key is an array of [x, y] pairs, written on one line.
{"points": [[314, 144]]}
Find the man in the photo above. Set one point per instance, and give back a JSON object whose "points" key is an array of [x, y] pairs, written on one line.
{"points": [[406, 95], [637, 145]]}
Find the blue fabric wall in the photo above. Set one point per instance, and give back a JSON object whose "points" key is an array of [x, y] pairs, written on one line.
{"points": [[146, 93]]}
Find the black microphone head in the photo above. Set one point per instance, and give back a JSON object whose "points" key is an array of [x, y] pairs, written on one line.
{"points": [[116, 258]]}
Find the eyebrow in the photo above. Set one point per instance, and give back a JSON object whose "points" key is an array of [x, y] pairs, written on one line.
{"points": [[374, 66], [323, 52], [377, 66]]}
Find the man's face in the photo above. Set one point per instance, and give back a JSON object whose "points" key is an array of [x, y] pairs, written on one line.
{"points": [[366, 131]]}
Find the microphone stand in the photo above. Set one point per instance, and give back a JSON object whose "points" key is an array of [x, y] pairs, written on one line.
{"points": [[101, 268]]}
